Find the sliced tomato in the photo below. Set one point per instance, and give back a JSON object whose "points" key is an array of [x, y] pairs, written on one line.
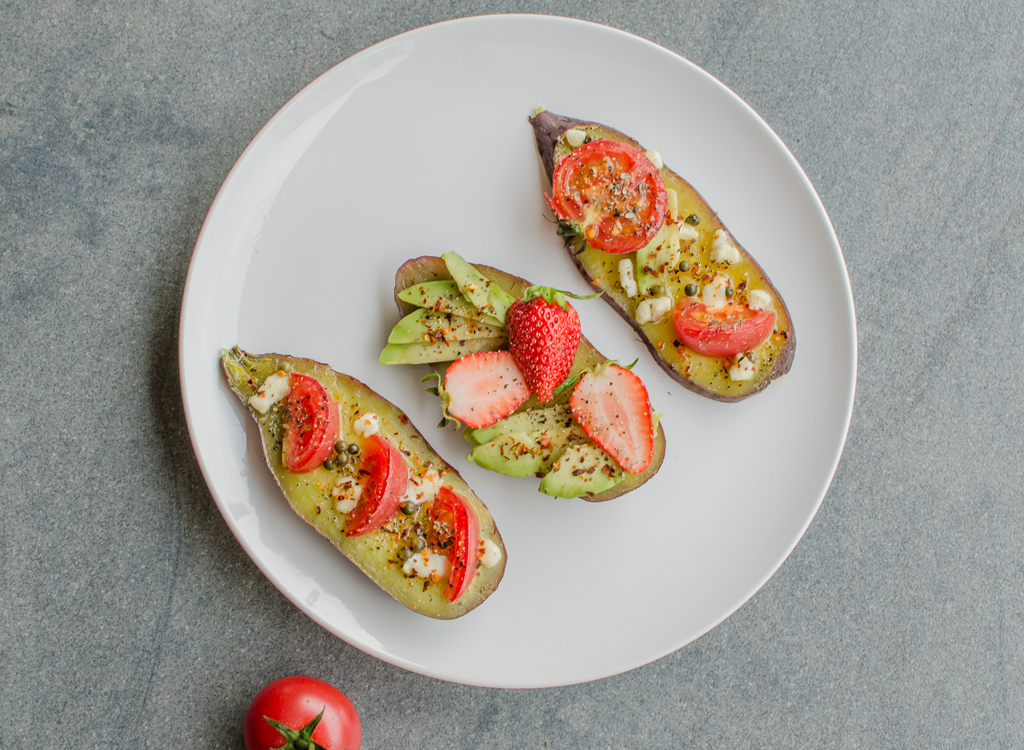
{"points": [[311, 424], [612, 193], [384, 488], [721, 331], [455, 531]]}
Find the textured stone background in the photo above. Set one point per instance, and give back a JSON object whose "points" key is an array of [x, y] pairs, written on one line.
{"points": [[130, 616]]}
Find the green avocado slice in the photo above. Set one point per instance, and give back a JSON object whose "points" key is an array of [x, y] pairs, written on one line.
{"points": [[516, 454], [488, 296], [439, 351], [583, 469], [309, 494], [444, 296], [554, 419], [425, 326]]}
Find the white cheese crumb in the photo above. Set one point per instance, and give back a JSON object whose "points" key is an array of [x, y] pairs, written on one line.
{"points": [[626, 277], [742, 368], [366, 424], [425, 564], [687, 233], [660, 307], [722, 249], [575, 137], [653, 309], [424, 488], [758, 299], [274, 388], [346, 494], [713, 294], [655, 158], [490, 553], [643, 312]]}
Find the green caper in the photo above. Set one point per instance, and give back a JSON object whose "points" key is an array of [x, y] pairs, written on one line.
{"points": [[409, 507], [684, 265], [339, 447], [404, 554], [658, 290], [418, 544], [729, 292], [693, 220], [690, 290], [353, 449], [330, 464], [341, 459]]}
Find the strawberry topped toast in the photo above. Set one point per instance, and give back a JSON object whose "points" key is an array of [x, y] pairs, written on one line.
{"points": [[534, 395]]}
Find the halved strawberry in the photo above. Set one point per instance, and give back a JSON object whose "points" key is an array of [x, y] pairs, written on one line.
{"points": [[612, 406], [482, 388]]}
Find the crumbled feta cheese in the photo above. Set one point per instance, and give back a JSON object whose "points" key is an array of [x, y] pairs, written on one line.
{"points": [[422, 488], [274, 388], [575, 138], [425, 564], [687, 233], [722, 249], [626, 277], [660, 307], [490, 553], [653, 309], [655, 158], [366, 424], [346, 494], [742, 368], [758, 299], [643, 312], [713, 294]]}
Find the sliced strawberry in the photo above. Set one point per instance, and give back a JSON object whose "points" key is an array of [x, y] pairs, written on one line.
{"points": [[612, 406], [483, 388], [543, 333]]}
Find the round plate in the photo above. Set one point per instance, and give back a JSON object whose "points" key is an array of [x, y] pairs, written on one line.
{"points": [[420, 145]]}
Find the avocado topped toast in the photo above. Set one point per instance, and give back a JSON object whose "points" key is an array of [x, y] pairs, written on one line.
{"points": [[643, 235], [568, 437], [352, 466]]}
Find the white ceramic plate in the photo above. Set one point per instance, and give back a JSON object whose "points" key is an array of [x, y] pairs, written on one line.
{"points": [[420, 145]]}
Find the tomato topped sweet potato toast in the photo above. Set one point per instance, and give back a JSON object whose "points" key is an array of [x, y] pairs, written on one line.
{"points": [[352, 466], [703, 306]]}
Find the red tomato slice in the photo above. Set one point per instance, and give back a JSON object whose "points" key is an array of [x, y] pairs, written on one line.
{"points": [[612, 193], [311, 424], [455, 530], [721, 331], [384, 487]]}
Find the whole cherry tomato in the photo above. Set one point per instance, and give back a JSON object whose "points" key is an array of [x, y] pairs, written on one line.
{"points": [[293, 704]]}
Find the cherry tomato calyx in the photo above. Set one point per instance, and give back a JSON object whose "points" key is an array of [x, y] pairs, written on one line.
{"points": [[301, 739]]}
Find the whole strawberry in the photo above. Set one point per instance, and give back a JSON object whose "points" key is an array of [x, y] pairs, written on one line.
{"points": [[543, 333]]}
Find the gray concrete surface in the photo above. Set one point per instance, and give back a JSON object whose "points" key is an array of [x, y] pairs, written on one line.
{"points": [[130, 616]]}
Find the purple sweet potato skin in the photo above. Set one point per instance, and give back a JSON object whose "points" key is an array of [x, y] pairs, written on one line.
{"points": [[548, 127], [432, 268]]}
